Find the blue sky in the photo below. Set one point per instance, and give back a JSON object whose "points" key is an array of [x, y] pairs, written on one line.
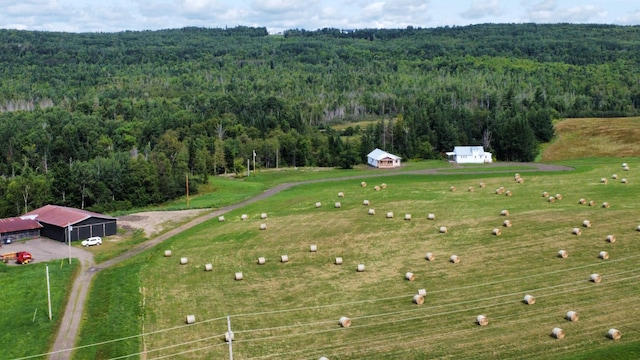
{"points": [[279, 15]]}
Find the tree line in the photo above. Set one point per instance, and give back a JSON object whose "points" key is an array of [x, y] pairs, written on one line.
{"points": [[108, 121]]}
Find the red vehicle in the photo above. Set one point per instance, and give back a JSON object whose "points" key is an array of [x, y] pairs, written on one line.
{"points": [[21, 257]]}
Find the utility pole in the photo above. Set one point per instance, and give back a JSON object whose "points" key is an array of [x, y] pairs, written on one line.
{"points": [[48, 292], [70, 228], [254, 163], [230, 337]]}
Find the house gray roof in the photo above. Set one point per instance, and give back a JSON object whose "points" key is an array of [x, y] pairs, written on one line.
{"points": [[468, 150], [380, 154]]}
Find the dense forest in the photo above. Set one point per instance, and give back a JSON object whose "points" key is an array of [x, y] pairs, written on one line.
{"points": [[108, 121]]}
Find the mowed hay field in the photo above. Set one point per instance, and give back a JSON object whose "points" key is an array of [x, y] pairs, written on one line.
{"points": [[291, 310]]}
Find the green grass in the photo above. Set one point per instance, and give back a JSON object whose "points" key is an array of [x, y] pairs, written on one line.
{"points": [[24, 319], [291, 310]]}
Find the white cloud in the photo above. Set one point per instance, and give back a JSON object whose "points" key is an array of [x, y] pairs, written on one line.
{"points": [[480, 9], [629, 19], [548, 11]]}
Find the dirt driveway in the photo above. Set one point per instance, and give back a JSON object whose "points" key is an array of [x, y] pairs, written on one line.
{"points": [[43, 250]]}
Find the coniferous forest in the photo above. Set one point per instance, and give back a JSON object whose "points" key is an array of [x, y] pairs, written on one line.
{"points": [[110, 121]]}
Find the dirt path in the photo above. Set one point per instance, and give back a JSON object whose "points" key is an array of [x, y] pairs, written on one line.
{"points": [[70, 325]]}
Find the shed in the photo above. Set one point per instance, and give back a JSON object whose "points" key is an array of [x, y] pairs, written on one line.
{"points": [[469, 155], [382, 159], [58, 221], [19, 228]]}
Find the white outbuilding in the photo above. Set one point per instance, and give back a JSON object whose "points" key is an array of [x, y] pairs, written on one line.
{"points": [[469, 155], [382, 159]]}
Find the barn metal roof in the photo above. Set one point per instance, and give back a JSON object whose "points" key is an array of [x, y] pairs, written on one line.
{"points": [[14, 224], [62, 216]]}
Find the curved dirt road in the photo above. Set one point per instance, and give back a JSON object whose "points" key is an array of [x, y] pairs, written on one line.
{"points": [[65, 341]]}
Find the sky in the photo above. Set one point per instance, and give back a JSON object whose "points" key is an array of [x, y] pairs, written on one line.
{"points": [[278, 15]]}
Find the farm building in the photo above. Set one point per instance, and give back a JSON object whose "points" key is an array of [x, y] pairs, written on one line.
{"points": [[58, 221], [382, 159], [16, 228], [469, 155]]}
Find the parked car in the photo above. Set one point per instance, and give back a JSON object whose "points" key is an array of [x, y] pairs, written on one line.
{"points": [[95, 240], [8, 240]]}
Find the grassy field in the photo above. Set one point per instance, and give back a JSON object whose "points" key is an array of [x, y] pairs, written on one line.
{"points": [[24, 315], [291, 310]]}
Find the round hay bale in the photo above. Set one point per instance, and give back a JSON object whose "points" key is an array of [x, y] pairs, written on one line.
{"points": [[376, 188], [482, 320], [244, 217], [606, 205], [604, 180], [595, 278], [586, 223], [563, 254], [603, 255], [454, 259], [263, 216], [221, 218], [430, 256], [582, 201], [504, 212], [499, 191], [496, 232], [557, 333], [338, 205], [611, 238], [443, 229], [261, 261], [529, 299], [363, 184], [229, 336], [383, 185], [191, 319], [407, 216], [360, 268], [422, 292], [208, 267], [507, 223], [517, 175], [614, 334], [572, 316], [365, 202], [340, 194], [558, 196], [345, 321], [410, 276], [372, 211], [389, 214], [313, 248], [626, 168], [453, 188], [338, 261], [638, 228], [624, 164], [551, 199], [470, 189], [238, 276], [323, 358], [592, 203], [614, 176], [167, 253], [431, 217], [318, 204], [624, 180], [545, 194], [576, 231], [284, 258], [183, 261], [418, 299], [482, 185], [508, 193], [520, 180], [263, 226]]}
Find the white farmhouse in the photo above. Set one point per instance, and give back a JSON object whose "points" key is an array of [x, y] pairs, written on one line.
{"points": [[469, 155], [382, 159]]}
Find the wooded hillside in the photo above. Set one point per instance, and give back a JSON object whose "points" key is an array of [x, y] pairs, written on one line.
{"points": [[112, 120]]}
